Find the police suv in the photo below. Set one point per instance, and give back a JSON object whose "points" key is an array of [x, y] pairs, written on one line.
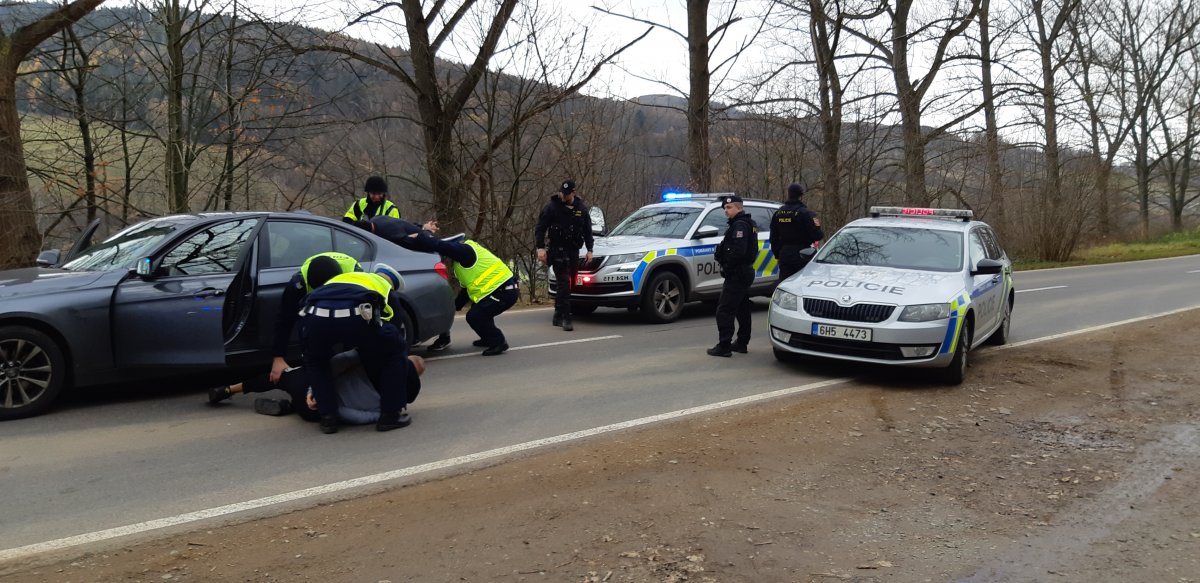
{"points": [[662, 256], [908, 286]]}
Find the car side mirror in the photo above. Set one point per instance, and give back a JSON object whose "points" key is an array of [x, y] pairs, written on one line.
{"points": [[49, 258], [987, 267], [706, 232], [145, 268], [807, 253], [599, 227]]}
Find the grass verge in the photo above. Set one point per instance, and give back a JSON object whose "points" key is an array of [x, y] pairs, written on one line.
{"points": [[1169, 245]]}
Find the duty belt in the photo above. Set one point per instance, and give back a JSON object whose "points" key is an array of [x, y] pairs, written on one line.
{"points": [[339, 313]]}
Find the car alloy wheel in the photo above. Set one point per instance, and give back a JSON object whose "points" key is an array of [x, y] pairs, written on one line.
{"points": [[663, 300], [31, 369]]}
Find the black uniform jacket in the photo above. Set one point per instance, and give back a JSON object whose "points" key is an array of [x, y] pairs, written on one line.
{"points": [[568, 227]]}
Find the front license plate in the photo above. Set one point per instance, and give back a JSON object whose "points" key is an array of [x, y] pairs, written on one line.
{"points": [[843, 332]]}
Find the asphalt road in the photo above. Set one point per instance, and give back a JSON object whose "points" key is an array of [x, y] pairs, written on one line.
{"points": [[163, 455]]}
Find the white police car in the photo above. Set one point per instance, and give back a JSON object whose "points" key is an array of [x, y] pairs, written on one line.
{"points": [[907, 286], [662, 256]]}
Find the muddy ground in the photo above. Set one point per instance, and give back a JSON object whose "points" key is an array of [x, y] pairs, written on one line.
{"points": [[1073, 460]]}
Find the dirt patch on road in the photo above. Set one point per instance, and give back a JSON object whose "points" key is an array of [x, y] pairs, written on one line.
{"points": [[1075, 460]]}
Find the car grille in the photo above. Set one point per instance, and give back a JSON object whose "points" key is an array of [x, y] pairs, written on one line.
{"points": [[857, 313], [597, 288], [591, 266], [876, 350]]}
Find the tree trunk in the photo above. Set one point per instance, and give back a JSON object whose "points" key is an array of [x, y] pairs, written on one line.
{"points": [[17, 218], [176, 166], [991, 129], [699, 106], [830, 114], [909, 104]]}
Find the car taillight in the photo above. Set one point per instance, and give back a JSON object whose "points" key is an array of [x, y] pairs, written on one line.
{"points": [[441, 270]]}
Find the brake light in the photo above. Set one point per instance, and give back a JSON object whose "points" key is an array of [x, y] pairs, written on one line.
{"points": [[441, 270]]}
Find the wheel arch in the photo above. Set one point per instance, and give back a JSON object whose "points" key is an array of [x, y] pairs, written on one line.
{"points": [[679, 269], [54, 334]]}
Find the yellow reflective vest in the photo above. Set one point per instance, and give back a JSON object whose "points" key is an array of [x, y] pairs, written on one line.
{"points": [[358, 209], [370, 281], [484, 276]]}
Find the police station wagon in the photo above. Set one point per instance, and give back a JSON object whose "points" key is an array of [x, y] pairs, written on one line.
{"points": [[662, 256], [907, 286]]}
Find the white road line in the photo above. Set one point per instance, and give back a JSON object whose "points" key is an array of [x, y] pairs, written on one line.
{"points": [[1040, 288], [1195, 271], [336, 487], [576, 341]]}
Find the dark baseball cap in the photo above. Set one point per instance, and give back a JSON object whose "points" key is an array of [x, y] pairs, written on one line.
{"points": [[795, 190], [731, 198], [567, 187]]}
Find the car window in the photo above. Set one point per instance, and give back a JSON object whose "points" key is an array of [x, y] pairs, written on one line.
{"points": [[344, 242], [671, 222], [762, 217], [902, 248], [213, 250], [290, 243], [121, 250], [716, 218], [978, 251], [992, 244]]}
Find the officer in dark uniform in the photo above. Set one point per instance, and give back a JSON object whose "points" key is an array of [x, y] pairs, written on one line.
{"points": [[736, 254], [569, 225], [793, 228], [487, 282], [353, 310]]}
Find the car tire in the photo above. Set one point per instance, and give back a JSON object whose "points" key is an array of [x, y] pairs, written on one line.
{"points": [[33, 372], [1000, 336], [662, 299], [404, 322], [956, 372], [582, 309]]}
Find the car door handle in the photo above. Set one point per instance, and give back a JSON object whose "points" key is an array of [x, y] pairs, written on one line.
{"points": [[210, 292], [996, 279]]}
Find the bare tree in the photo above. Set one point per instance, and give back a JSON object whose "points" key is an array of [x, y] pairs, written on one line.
{"points": [[19, 239]]}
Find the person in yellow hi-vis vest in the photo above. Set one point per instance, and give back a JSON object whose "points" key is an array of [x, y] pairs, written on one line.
{"points": [[374, 204], [353, 310], [486, 280]]}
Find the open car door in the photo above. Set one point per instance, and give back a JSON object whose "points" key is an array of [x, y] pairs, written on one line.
{"points": [[173, 311]]}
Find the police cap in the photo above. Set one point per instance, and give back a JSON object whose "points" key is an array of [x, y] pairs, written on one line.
{"points": [[567, 187], [730, 199]]}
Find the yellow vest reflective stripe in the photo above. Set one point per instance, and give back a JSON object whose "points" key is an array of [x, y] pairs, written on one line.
{"points": [[347, 263], [370, 281], [358, 207], [484, 276]]}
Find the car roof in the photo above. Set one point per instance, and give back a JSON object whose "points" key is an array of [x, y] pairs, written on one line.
{"points": [[213, 216], [706, 201]]}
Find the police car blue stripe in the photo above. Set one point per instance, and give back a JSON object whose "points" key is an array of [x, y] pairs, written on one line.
{"points": [[948, 341]]}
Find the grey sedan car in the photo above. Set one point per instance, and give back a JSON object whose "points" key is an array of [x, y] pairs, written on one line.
{"points": [[178, 294]]}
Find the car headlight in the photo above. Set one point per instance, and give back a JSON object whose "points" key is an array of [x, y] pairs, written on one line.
{"points": [[616, 260], [785, 300], [925, 312]]}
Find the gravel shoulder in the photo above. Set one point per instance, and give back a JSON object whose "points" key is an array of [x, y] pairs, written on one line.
{"points": [[1073, 460]]}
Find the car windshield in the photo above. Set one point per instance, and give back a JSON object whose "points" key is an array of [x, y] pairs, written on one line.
{"points": [[669, 222], [902, 248], [123, 249]]}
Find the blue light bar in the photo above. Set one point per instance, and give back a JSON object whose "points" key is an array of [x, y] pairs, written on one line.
{"points": [[670, 196]]}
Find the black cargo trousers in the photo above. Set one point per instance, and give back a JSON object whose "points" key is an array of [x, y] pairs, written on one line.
{"points": [[565, 263]]}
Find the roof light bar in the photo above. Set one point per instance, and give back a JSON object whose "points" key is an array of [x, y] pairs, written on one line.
{"points": [[671, 196], [897, 211]]}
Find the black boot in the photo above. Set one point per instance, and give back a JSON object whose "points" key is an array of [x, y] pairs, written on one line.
{"points": [[557, 319], [720, 350], [742, 347], [329, 424], [394, 420], [566, 324], [218, 394], [272, 407], [497, 349]]}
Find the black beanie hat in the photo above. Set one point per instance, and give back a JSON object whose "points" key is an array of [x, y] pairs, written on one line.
{"points": [[795, 190], [322, 269], [376, 184]]}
